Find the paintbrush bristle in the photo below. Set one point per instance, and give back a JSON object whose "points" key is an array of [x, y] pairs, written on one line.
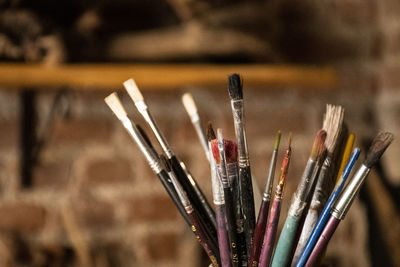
{"points": [[318, 144], [215, 150], [377, 148], [231, 152], [133, 90], [332, 125], [210, 132], [189, 104], [277, 140], [235, 87], [115, 105]]}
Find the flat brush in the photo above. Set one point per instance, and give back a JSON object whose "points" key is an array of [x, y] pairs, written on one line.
{"points": [[188, 183], [332, 124], [264, 208], [191, 109], [270, 234], [319, 226], [235, 90], [196, 227], [145, 146], [282, 256], [220, 209], [346, 198], [218, 150]]}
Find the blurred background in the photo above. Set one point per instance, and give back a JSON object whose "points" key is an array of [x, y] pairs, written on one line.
{"points": [[75, 190]]}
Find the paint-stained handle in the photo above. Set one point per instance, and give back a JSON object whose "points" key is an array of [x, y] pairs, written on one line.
{"points": [[259, 233], [223, 240], [231, 226], [247, 199], [270, 234], [285, 244]]}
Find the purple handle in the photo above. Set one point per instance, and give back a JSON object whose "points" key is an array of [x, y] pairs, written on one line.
{"points": [[259, 233], [270, 234], [223, 242], [322, 242]]}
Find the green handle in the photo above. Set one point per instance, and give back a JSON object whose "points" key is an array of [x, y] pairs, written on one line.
{"points": [[284, 247]]}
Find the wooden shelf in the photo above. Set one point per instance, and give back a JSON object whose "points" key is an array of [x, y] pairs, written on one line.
{"points": [[161, 76]]}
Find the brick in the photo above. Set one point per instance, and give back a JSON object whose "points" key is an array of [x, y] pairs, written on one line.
{"points": [[51, 175], [24, 217], [108, 171], [391, 77], [79, 130], [151, 209], [357, 11], [8, 134], [94, 213], [161, 246]]}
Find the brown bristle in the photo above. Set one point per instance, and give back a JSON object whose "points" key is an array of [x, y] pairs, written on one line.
{"points": [[231, 152], [322, 154], [377, 148], [318, 144], [215, 150], [210, 132]]}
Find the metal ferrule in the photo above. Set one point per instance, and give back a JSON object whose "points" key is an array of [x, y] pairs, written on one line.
{"points": [[232, 172], [179, 190], [345, 199], [270, 179], [160, 137], [306, 180], [216, 186], [279, 191], [202, 137], [319, 192], [150, 156], [237, 111], [297, 206]]}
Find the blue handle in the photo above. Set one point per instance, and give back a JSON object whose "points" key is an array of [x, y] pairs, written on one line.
{"points": [[319, 226]]}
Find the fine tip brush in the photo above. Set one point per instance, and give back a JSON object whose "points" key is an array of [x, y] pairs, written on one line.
{"points": [[273, 220], [191, 109], [325, 182], [196, 227], [188, 183], [220, 209], [286, 241], [262, 218], [380, 143], [145, 146], [235, 89]]}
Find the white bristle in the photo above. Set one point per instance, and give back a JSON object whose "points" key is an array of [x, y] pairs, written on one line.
{"points": [[133, 90], [189, 104], [115, 105], [333, 125]]}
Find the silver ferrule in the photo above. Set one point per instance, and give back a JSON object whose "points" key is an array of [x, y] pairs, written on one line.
{"points": [[297, 206], [216, 186], [222, 166], [232, 172], [149, 154], [270, 180], [237, 111], [307, 180], [202, 137], [320, 192], [349, 193], [179, 190], [157, 132]]}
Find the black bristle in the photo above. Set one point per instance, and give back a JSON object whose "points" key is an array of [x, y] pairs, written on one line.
{"points": [[165, 163], [210, 132], [145, 136], [377, 148], [235, 87]]}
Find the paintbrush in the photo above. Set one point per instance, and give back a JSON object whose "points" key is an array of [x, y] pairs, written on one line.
{"points": [[191, 109], [220, 209], [218, 150], [188, 183], [319, 226], [346, 198], [286, 241], [332, 124], [196, 227], [272, 226], [235, 89], [264, 208], [346, 155], [145, 146]]}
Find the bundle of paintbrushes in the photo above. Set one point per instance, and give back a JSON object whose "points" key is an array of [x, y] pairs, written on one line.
{"points": [[229, 233]]}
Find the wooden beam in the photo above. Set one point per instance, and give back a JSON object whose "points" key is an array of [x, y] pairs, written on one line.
{"points": [[161, 76]]}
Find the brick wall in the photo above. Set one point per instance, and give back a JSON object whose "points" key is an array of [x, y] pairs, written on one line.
{"points": [[93, 193]]}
